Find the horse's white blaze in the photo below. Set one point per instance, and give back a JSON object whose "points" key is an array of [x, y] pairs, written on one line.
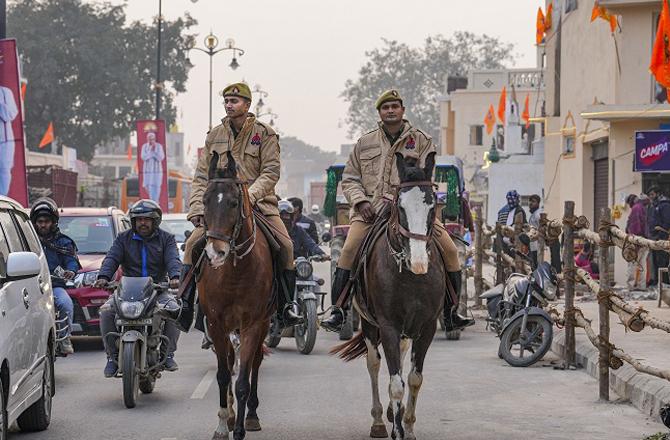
{"points": [[217, 258], [219, 197], [416, 211]]}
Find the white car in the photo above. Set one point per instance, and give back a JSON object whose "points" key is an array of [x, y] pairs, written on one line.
{"points": [[27, 324], [180, 227]]}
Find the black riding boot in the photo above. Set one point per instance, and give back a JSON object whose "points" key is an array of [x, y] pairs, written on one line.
{"points": [[337, 315], [187, 300], [452, 319], [285, 306]]}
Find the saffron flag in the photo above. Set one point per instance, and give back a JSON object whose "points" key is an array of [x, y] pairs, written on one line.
{"points": [[502, 105], [602, 12], [660, 55], [130, 152], [48, 136], [526, 112], [540, 26], [547, 18], [490, 120]]}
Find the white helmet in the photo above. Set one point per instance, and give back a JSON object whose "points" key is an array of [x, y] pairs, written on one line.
{"points": [[315, 209]]}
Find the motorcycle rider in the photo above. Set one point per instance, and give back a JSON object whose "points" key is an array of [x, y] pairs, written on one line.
{"points": [[60, 251], [145, 250], [367, 181], [302, 220], [303, 245]]}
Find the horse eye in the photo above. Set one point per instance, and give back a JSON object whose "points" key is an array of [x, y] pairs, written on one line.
{"points": [[234, 204]]}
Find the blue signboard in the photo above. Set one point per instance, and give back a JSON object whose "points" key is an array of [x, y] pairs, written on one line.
{"points": [[652, 151]]}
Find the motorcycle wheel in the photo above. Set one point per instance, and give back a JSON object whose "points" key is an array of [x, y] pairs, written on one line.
{"points": [[305, 333], [511, 349], [453, 335], [130, 375], [274, 333], [147, 384]]}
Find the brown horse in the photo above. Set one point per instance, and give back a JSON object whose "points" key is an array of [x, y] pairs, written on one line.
{"points": [[404, 295], [235, 290]]}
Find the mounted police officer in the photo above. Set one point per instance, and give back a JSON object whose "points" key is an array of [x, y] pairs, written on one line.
{"points": [[143, 251], [61, 254], [255, 148], [368, 180]]}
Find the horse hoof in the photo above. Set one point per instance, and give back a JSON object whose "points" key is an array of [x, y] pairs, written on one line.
{"points": [[379, 431], [252, 424], [220, 436]]}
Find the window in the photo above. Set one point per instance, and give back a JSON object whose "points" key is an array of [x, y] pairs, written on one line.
{"points": [[172, 188], [569, 145], [132, 187], [92, 235], [12, 234], [570, 5], [29, 233], [124, 171], [476, 135]]}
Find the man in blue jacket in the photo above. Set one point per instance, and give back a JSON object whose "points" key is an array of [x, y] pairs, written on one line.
{"points": [[61, 254], [143, 251], [303, 244]]}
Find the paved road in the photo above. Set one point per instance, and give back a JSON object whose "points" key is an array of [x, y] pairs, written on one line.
{"points": [[468, 393]]}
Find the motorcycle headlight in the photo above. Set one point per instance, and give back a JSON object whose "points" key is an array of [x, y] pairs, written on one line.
{"points": [[132, 309], [550, 291], [86, 279], [304, 269]]}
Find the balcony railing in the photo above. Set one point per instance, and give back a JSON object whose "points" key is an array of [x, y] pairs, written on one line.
{"points": [[497, 79]]}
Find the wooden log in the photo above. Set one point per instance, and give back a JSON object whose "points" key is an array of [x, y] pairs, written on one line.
{"points": [[591, 236], [500, 272], [657, 245], [569, 269], [518, 230], [604, 312], [479, 249], [541, 238]]}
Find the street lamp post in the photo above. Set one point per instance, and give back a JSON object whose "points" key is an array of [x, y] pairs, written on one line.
{"points": [[158, 86], [270, 113], [211, 43], [262, 94], [3, 19]]}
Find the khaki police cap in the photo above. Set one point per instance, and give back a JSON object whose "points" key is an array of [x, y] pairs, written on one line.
{"points": [[238, 89], [389, 95]]}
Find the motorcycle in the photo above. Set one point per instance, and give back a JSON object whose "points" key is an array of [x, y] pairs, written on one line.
{"points": [[516, 313], [61, 318], [142, 345], [306, 298]]}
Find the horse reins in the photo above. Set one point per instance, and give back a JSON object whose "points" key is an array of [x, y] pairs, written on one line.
{"points": [[250, 242]]}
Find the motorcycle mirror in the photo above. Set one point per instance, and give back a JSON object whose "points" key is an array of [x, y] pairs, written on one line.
{"points": [[326, 237]]}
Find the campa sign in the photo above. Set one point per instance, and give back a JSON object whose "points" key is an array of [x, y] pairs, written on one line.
{"points": [[652, 151]]}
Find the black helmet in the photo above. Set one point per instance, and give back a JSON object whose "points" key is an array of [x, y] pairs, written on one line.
{"points": [[146, 208], [44, 206], [286, 206]]}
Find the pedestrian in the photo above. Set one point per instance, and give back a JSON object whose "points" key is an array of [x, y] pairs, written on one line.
{"points": [[508, 212], [659, 226], [534, 221], [637, 225]]}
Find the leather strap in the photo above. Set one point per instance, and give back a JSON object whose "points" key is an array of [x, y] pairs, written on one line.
{"points": [[189, 276]]}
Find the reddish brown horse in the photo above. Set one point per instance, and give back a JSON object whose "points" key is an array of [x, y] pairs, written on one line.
{"points": [[235, 290]]}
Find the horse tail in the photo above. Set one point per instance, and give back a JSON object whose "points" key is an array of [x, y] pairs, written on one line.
{"points": [[352, 349]]}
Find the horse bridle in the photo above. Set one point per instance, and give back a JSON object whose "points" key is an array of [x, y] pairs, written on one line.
{"points": [[241, 217]]}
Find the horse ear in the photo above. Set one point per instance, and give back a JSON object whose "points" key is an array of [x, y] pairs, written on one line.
{"points": [[400, 164], [231, 166], [213, 165], [429, 166]]}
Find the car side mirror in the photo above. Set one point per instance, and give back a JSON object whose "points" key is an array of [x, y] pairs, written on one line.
{"points": [[22, 265], [326, 237]]}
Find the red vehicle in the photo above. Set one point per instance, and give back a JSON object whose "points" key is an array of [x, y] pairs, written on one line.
{"points": [[94, 231]]}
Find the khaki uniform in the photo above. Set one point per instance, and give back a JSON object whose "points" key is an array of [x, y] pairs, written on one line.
{"points": [[256, 152], [370, 174]]}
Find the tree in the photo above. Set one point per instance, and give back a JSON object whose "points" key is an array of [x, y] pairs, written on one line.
{"points": [[418, 74], [91, 72]]}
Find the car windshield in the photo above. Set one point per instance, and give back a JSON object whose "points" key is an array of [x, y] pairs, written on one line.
{"points": [[93, 235], [178, 228]]}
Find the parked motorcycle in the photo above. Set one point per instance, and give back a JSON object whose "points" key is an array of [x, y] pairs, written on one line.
{"points": [[306, 298], [142, 344], [517, 315]]}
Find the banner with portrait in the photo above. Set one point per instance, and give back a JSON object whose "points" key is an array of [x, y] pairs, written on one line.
{"points": [[12, 151], [152, 162]]}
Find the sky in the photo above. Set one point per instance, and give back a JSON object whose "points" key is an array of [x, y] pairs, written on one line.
{"points": [[302, 51]]}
